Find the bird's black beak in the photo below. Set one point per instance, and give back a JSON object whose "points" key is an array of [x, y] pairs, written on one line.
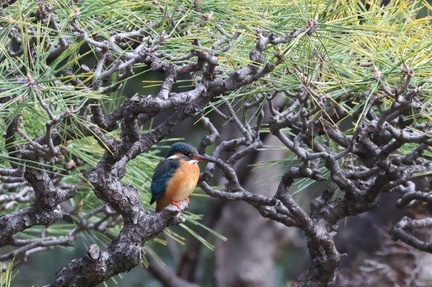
{"points": [[200, 157]]}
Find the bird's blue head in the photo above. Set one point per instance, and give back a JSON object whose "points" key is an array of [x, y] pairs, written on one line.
{"points": [[183, 148]]}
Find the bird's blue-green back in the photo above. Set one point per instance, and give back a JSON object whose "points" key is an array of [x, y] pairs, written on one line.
{"points": [[163, 172]]}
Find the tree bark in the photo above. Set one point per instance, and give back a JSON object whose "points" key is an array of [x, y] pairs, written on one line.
{"points": [[248, 257]]}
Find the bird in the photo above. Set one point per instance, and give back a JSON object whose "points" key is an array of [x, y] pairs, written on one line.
{"points": [[176, 177]]}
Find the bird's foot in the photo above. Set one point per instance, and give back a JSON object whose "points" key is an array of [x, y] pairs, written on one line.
{"points": [[179, 205]]}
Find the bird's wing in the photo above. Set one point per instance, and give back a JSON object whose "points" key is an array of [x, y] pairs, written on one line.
{"points": [[163, 172]]}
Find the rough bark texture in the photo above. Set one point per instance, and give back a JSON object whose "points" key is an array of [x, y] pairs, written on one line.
{"points": [[254, 242]]}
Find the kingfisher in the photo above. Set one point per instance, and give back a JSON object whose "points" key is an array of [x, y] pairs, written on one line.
{"points": [[176, 177]]}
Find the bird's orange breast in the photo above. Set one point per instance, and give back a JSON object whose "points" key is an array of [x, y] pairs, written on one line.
{"points": [[181, 185]]}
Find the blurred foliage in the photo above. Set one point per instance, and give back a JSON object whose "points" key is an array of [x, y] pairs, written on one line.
{"points": [[7, 276]]}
